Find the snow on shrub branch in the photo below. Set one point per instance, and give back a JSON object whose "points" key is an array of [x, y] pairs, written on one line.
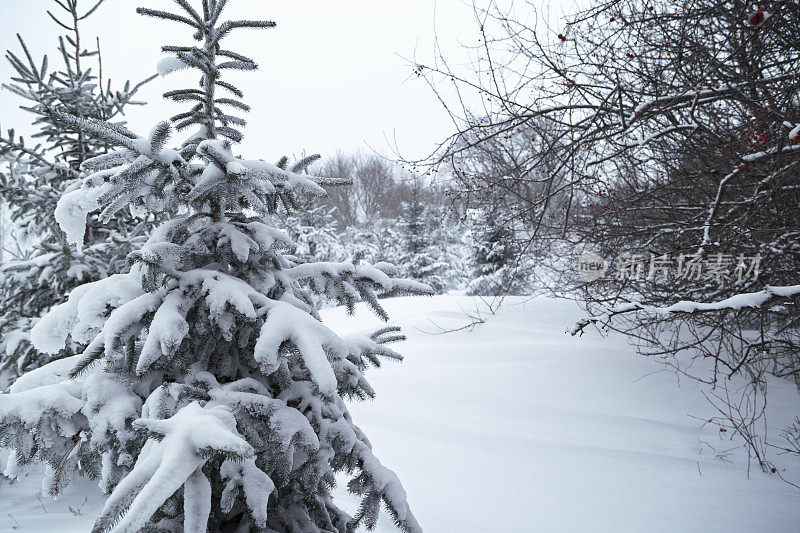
{"points": [[766, 298]]}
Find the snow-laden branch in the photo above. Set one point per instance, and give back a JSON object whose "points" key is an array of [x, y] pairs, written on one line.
{"points": [[768, 297]]}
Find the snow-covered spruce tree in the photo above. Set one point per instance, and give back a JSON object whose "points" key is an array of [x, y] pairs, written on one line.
{"points": [[210, 396], [313, 230], [497, 261], [45, 268], [447, 238], [421, 258]]}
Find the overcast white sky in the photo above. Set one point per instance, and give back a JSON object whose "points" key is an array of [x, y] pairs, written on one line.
{"points": [[332, 73]]}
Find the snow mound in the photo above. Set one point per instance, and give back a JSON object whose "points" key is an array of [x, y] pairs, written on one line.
{"points": [[517, 426]]}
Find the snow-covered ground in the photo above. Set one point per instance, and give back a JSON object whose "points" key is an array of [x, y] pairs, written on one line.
{"points": [[517, 427]]}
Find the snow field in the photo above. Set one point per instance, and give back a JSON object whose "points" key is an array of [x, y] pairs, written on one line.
{"points": [[516, 426]]}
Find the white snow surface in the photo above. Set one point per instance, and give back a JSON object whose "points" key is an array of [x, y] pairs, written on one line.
{"points": [[170, 64], [71, 211], [794, 133], [516, 427]]}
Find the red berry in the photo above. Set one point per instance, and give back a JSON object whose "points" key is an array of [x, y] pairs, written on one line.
{"points": [[613, 19], [561, 36], [756, 17]]}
